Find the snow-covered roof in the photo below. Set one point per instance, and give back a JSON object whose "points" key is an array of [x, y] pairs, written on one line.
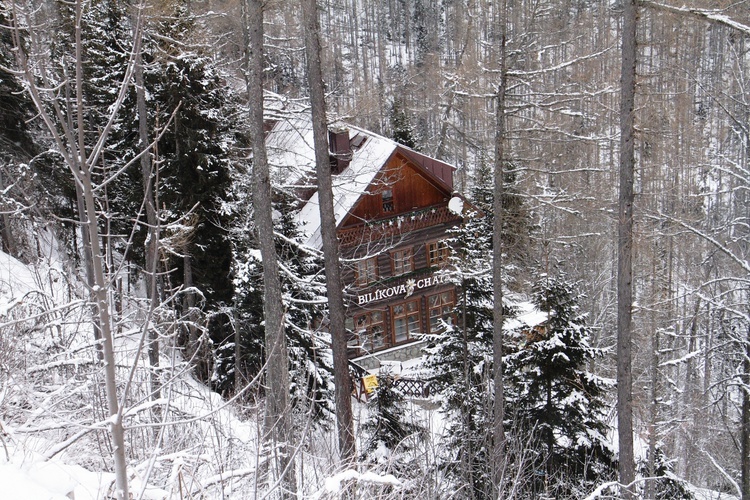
{"points": [[291, 157], [528, 316]]}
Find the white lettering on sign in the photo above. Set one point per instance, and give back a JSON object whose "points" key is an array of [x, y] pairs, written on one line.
{"points": [[406, 289]]}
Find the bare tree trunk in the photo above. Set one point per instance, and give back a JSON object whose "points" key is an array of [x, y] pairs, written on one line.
{"points": [[152, 239], [100, 297], [467, 458], [745, 416], [88, 260], [498, 452], [100, 292], [342, 381], [650, 486], [9, 245], [277, 420], [625, 250]]}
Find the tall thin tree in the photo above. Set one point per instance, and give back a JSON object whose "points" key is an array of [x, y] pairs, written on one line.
{"points": [[81, 153], [625, 250], [277, 418], [498, 454], [149, 200], [334, 286]]}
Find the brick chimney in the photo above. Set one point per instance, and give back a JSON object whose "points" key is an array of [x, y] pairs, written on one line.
{"points": [[340, 150]]}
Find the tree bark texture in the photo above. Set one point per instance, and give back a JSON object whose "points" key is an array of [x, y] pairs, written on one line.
{"points": [[745, 416], [99, 292], [342, 380], [152, 241], [6, 235], [498, 452], [625, 250], [278, 426]]}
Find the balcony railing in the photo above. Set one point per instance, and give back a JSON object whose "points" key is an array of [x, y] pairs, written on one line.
{"points": [[391, 227]]}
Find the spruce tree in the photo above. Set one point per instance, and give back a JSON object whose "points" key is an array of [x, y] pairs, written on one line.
{"points": [[310, 368], [668, 486], [402, 130], [17, 147], [551, 395], [460, 359], [391, 435]]}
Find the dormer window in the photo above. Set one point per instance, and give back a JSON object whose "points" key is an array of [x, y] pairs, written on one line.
{"points": [[387, 196]]}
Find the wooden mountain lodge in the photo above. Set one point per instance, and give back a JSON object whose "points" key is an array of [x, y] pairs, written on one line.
{"points": [[393, 206]]}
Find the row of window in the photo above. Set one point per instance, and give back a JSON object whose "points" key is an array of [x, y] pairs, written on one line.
{"points": [[402, 262], [372, 333]]}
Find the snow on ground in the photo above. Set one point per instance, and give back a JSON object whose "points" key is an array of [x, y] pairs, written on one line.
{"points": [[53, 440], [29, 476], [213, 452], [704, 494]]}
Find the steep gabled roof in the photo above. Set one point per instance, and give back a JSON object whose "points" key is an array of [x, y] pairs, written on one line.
{"points": [[291, 158]]}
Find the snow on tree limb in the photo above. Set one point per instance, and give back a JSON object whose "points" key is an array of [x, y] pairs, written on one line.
{"points": [[713, 16]]}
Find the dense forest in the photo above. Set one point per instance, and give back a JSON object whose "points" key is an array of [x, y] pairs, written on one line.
{"points": [[137, 316]]}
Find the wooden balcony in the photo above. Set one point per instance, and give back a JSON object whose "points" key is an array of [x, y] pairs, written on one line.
{"points": [[393, 227]]}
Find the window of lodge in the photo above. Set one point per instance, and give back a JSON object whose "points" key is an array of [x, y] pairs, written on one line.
{"points": [[367, 271], [406, 320], [370, 331], [437, 253], [403, 261], [387, 197], [440, 307]]}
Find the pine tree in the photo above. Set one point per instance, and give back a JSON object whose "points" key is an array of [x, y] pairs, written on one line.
{"points": [[402, 130], [551, 394], [310, 363], [668, 486], [460, 359]]}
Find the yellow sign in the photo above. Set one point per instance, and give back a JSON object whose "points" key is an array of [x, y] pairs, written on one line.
{"points": [[370, 382]]}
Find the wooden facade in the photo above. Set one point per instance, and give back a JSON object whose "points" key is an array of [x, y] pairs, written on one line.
{"points": [[392, 213], [393, 246]]}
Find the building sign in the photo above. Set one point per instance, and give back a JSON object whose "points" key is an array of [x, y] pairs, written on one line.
{"points": [[405, 289], [370, 383]]}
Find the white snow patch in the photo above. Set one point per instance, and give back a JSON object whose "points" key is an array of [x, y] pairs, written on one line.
{"points": [[333, 484]]}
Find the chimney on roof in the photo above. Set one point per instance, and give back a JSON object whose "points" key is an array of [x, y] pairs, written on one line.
{"points": [[339, 149]]}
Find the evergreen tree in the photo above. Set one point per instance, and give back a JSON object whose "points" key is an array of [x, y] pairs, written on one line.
{"points": [[311, 370], [189, 105], [402, 131], [303, 289], [517, 223], [460, 359], [668, 486], [551, 393], [391, 435], [17, 147], [386, 424], [15, 137], [194, 179]]}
